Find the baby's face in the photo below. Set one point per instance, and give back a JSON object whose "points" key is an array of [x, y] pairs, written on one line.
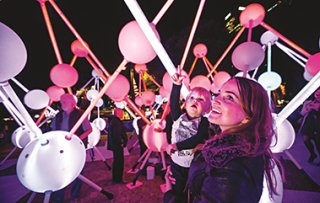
{"points": [[195, 105]]}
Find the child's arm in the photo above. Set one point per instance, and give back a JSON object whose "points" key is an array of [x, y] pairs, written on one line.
{"points": [[175, 109]]}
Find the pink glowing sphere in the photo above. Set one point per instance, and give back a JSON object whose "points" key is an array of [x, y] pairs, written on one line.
{"points": [[13, 53], [119, 88], [220, 78], [167, 80], [64, 75], [247, 56], [134, 45], [253, 14], [313, 64], [55, 93], [200, 81], [138, 101], [78, 49], [214, 89], [200, 50], [140, 68], [153, 137], [148, 97], [163, 92]]}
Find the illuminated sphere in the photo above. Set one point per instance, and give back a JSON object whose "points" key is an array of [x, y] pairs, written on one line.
{"points": [[220, 78], [13, 53], [270, 80], [138, 100], [55, 93], [307, 76], [36, 99], [247, 56], [154, 140], [22, 136], [99, 103], [167, 80], [267, 37], [276, 198], [51, 166], [134, 45], [140, 68], [286, 137], [163, 92], [313, 64], [93, 137], [255, 13], [200, 50], [92, 94], [200, 81], [99, 123], [119, 88], [95, 74], [64, 75], [78, 49], [214, 88], [148, 97]]}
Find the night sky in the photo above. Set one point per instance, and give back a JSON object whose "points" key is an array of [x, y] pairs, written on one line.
{"points": [[99, 23]]}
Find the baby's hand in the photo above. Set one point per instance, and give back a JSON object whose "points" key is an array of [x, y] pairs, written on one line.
{"points": [[178, 77]]}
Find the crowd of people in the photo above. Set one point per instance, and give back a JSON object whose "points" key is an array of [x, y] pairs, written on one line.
{"points": [[219, 149]]}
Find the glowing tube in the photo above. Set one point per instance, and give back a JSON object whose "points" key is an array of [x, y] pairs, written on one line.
{"points": [[152, 38]]}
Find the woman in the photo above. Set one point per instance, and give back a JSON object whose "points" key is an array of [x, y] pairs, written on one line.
{"points": [[231, 165]]}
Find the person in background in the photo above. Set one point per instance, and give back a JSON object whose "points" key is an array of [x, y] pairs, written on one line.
{"points": [[189, 129], [65, 120], [231, 165], [309, 129], [117, 140]]}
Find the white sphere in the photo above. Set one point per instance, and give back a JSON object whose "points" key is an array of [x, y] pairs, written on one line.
{"points": [[22, 136], [270, 80], [36, 99], [286, 136], [93, 137], [53, 165], [99, 123]]}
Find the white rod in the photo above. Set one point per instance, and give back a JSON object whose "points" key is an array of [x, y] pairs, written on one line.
{"points": [[304, 93], [285, 49], [20, 85]]}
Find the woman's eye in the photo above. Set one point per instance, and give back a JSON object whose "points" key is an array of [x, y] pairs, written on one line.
{"points": [[229, 98]]}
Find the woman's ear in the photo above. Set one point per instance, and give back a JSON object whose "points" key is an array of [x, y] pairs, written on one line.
{"points": [[245, 120]]}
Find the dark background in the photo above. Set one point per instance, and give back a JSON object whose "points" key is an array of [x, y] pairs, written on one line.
{"points": [[99, 23]]}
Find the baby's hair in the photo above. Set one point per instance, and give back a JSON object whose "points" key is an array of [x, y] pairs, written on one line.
{"points": [[205, 93]]}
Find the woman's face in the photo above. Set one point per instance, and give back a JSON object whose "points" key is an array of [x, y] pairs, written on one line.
{"points": [[226, 108]]}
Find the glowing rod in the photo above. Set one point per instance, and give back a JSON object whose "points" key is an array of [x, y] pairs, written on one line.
{"points": [[152, 38]]}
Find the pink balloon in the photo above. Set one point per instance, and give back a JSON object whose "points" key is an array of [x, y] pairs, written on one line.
{"points": [[134, 45], [247, 56], [148, 97], [119, 88], [154, 139], [78, 49], [13, 55], [140, 68], [220, 78], [55, 93], [200, 50], [313, 64], [215, 89], [167, 81], [253, 13], [64, 75], [138, 101], [200, 81], [164, 93]]}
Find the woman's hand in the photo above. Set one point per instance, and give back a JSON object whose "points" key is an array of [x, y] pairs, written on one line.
{"points": [[171, 148], [199, 147]]}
